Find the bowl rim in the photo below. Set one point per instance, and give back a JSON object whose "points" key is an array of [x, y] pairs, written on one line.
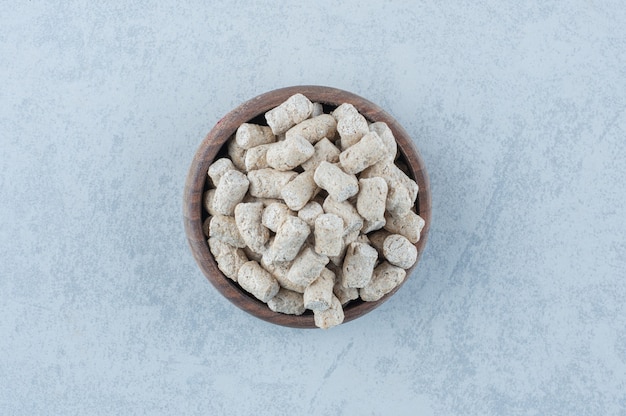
{"points": [[225, 129]]}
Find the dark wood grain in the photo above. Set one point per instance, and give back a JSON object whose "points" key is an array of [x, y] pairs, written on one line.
{"points": [[210, 147]]}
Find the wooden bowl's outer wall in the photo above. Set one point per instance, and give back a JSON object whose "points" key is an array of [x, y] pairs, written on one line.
{"points": [[223, 130]]}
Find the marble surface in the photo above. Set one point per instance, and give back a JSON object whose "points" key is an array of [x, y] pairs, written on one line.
{"points": [[517, 306]]}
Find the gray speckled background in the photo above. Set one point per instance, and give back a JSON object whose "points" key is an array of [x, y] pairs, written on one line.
{"points": [[517, 306]]}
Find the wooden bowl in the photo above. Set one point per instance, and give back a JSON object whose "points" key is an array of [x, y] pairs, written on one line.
{"points": [[212, 147]]}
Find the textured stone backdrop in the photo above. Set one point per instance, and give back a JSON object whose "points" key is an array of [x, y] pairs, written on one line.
{"points": [[517, 306]]}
